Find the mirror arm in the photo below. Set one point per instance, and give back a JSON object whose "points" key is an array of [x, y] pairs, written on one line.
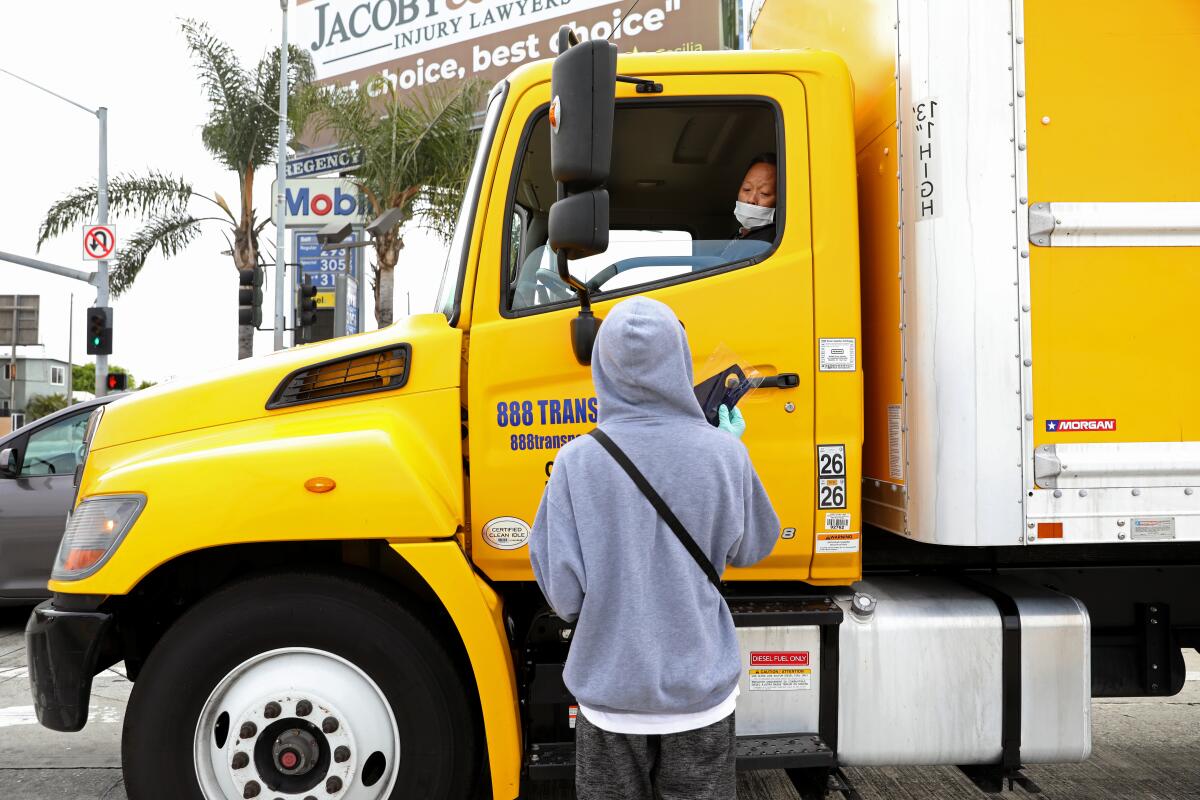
{"points": [[644, 85], [581, 289]]}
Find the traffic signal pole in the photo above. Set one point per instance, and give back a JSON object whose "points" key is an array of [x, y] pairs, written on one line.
{"points": [[102, 265], [100, 279]]}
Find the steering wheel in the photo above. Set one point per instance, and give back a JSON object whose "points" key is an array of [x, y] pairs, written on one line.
{"points": [[48, 464], [551, 285], [695, 263]]}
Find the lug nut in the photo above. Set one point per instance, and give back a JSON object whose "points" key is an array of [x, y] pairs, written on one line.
{"points": [[252, 789], [248, 730], [240, 760], [272, 710], [333, 785], [341, 754], [329, 724], [303, 708]]}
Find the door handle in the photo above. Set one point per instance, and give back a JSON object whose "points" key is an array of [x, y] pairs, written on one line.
{"points": [[784, 380]]}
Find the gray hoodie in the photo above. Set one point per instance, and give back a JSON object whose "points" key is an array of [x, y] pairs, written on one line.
{"points": [[652, 633]]}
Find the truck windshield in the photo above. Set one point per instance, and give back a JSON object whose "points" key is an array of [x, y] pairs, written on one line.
{"points": [[449, 293]]}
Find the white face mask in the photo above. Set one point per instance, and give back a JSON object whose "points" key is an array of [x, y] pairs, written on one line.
{"points": [[751, 216]]}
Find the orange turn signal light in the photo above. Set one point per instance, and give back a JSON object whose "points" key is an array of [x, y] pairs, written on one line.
{"points": [[320, 485], [82, 559]]}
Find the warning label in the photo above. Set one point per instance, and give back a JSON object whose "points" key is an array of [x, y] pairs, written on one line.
{"points": [[837, 542], [775, 658], [780, 679]]}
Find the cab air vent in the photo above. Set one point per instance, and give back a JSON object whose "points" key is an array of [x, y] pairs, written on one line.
{"points": [[362, 373]]}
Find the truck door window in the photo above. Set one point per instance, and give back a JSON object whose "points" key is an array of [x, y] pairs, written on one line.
{"points": [[676, 172]]}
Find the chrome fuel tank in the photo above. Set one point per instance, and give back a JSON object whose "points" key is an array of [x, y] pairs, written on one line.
{"points": [[920, 674]]}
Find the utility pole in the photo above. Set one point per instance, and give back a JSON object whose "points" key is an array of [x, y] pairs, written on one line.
{"points": [[281, 177], [70, 365], [101, 277]]}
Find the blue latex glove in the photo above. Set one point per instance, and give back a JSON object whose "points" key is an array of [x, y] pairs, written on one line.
{"points": [[731, 422]]}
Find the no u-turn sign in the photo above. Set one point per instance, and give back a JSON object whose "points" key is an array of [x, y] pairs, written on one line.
{"points": [[99, 242]]}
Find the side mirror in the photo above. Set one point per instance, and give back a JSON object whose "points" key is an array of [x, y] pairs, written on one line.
{"points": [[578, 224], [583, 90], [10, 462]]}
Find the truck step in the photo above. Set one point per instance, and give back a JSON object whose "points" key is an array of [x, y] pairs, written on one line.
{"points": [[548, 762]]}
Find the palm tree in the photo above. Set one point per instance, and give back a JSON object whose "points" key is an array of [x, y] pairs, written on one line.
{"points": [[416, 154], [240, 133]]}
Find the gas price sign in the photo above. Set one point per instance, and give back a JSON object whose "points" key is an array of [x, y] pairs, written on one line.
{"points": [[323, 267]]}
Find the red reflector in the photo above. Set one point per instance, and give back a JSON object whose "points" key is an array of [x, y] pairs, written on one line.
{"points": [[1050, 530], [81, 559]]}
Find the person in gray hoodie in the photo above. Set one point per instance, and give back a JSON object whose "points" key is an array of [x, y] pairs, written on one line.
{"points": [[654, 659]]}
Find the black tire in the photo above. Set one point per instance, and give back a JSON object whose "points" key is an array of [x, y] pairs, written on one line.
{"points": [[439, 751]]}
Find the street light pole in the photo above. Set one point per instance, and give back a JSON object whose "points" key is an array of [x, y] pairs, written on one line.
{"points": [[101, 277], [281, 177]]}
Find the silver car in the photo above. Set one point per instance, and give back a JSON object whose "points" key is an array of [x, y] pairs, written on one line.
{"points": [[37, 470]]}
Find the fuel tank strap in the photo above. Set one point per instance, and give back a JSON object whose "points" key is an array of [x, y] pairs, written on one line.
{"points": [[1010, 672]]}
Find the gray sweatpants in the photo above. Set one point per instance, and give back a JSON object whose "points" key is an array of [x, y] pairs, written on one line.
{"points": [[693, 765]]}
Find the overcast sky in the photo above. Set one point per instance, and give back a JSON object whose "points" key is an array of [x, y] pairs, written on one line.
{"points": [[181, 315]]}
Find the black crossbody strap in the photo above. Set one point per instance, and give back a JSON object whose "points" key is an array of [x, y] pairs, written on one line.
{"points": [[659, 504]]}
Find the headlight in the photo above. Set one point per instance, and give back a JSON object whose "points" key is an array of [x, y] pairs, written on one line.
{"points": [[93, 532]]}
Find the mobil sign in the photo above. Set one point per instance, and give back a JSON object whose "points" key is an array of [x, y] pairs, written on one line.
{"points": [[314, 202]]}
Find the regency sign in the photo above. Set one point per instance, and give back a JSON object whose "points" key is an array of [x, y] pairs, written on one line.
{"points": [[417, 43]]}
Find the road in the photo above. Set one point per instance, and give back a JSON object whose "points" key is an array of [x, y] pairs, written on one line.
{"points": [[1142, 749]]}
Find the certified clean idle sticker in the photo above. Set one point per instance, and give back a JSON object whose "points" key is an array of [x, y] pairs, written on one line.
{"points": [[506, 533]]}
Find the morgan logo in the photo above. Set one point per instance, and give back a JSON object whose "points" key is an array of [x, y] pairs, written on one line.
{"points": [[788, 658], [1055, 425]]}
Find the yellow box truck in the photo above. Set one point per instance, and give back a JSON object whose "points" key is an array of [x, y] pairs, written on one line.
{"points": [[974, 410]]}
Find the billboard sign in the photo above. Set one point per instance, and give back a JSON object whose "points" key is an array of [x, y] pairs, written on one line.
{"points": [[323, 267], [339, 159], [314, 202], [19, 319], [417, 43]]}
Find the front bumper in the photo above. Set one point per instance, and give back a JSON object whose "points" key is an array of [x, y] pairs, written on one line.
{"points": [[63, 649]]}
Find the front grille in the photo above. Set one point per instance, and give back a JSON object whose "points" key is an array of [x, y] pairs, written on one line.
{"points": [[362, 373]]}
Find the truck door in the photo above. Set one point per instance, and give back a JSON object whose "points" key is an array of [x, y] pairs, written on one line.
{"points": [[678, 162]]}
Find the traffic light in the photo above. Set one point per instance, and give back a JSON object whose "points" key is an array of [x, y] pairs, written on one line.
{"points": [[99, 331], [250, 296], [117, 381], [306, 310]]}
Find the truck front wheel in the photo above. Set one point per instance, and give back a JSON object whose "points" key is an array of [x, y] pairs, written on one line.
{"points": [[299, 685]]}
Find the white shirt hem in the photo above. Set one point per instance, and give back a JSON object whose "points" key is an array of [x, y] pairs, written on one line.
{"points": [[658, 724]]}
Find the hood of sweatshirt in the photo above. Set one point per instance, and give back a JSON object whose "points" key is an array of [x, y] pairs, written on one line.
{"points": [[642, 365]]}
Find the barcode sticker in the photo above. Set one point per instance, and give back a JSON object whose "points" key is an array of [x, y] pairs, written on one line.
{"points": [[837, 522], [895, 443]]}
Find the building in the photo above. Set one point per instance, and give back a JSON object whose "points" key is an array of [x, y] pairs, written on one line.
{"points": [[27, 377]]}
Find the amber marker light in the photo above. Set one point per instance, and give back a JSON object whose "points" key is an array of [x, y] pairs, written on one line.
{"points": [[320, 485], [1050, 530], [94, 530]]}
